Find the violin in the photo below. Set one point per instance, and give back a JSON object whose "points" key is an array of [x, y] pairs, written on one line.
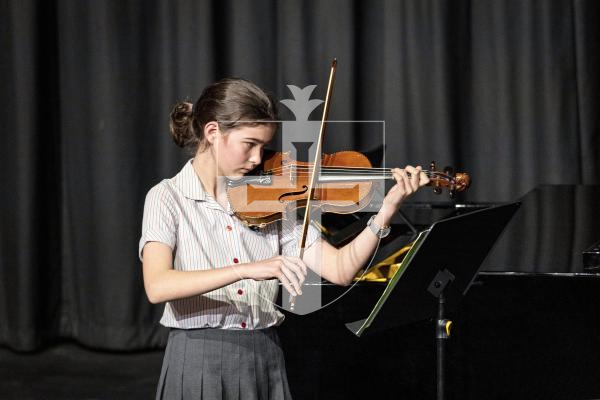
{"points": [[344, 184]]}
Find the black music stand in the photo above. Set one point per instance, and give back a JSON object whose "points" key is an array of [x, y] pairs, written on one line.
{"points": [[435, 274]]}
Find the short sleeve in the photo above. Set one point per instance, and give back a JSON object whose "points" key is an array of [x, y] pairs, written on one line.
{"points": [[291, 234], [159, 223]]}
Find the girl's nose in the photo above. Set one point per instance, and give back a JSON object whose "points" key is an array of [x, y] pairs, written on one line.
{"points": [[256, 157]]}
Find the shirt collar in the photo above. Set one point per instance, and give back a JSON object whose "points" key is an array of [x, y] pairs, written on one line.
{"points": [[189, 183]]}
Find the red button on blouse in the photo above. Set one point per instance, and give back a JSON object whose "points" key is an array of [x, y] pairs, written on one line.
{"points": [[243, 324], [235, 260], [240, 291], [229, 227]]}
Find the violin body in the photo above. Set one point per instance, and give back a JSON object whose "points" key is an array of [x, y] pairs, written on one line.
{"points": [[282, 185]]}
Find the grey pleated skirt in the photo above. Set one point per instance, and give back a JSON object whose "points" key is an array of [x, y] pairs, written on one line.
{"points": [[223, 364]]}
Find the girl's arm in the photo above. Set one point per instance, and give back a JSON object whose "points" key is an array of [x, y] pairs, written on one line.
{"points": [[163, 283], [339, 266]]}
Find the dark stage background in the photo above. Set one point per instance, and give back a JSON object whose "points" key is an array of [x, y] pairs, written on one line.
{"points": [[505, 90]]}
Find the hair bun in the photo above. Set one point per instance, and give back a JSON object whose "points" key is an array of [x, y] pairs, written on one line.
{"points": [[181, 124]]}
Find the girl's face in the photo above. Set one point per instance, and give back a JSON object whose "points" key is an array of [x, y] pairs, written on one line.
{"points": [[240, 150]]}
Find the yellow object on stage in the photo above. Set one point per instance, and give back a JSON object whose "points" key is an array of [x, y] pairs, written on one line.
{"points": [[385, 269]]}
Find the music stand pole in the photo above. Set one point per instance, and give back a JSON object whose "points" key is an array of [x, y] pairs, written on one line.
{"points": [[441, 335], [442, 325]]}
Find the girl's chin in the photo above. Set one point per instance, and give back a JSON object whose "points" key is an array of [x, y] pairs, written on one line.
{"points": [[236, 175]]}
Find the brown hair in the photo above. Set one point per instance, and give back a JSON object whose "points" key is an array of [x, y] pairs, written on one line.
{"points": [[231, 102]]}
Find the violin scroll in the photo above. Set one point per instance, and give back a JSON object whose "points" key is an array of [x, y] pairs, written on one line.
{"points": [[455, 182]]}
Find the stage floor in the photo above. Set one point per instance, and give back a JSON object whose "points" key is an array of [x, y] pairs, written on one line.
{"points": [[71, 371]]}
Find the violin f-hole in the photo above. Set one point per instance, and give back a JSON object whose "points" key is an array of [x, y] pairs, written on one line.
{"points": [[300, 192]]}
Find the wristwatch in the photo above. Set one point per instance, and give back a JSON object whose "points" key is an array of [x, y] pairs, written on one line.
{"points": [[380, 232]]}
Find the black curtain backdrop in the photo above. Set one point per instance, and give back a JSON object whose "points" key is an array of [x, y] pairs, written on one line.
{"points": [[505, 90]]}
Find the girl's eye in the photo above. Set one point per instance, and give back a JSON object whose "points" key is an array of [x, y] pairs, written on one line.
{"points": [[249, 144]]}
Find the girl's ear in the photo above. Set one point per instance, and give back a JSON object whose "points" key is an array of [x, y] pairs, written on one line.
{"points": [[210, 131]]}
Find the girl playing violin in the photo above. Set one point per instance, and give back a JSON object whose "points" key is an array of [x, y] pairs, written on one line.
{"points": [[218, 278]]}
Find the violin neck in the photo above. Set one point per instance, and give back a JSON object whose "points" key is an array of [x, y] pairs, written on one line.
{"points": [[332, 175], [332, 178]]}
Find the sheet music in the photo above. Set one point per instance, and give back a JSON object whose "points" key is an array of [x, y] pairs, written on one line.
{"points": [[392, 283]]}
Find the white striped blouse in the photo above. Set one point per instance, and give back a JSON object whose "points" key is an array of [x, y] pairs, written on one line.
{"points": [[181, 214]]}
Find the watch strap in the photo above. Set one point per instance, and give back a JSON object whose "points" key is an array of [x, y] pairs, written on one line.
{"points": [[380, 232]]}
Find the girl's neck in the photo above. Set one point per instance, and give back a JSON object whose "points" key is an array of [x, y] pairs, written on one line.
{"points": [[205, 166]]}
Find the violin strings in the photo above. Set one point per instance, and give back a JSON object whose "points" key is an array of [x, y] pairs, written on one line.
{"points": [[385, 176], [367, 173], [345, 169], [332, 171], [331, 168]]}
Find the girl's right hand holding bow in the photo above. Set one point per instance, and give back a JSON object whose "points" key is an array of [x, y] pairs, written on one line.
{"points": [[291, 272]]}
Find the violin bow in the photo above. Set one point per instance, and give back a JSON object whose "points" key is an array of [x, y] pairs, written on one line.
{"points": [[317, 167]]}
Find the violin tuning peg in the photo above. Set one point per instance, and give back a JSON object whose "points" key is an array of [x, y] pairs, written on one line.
{"points": [[437, 190], [432, 166], [449, 171]]}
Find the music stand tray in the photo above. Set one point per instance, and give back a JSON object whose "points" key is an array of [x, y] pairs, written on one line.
{"points": [[444, 258], [435, 274]]}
